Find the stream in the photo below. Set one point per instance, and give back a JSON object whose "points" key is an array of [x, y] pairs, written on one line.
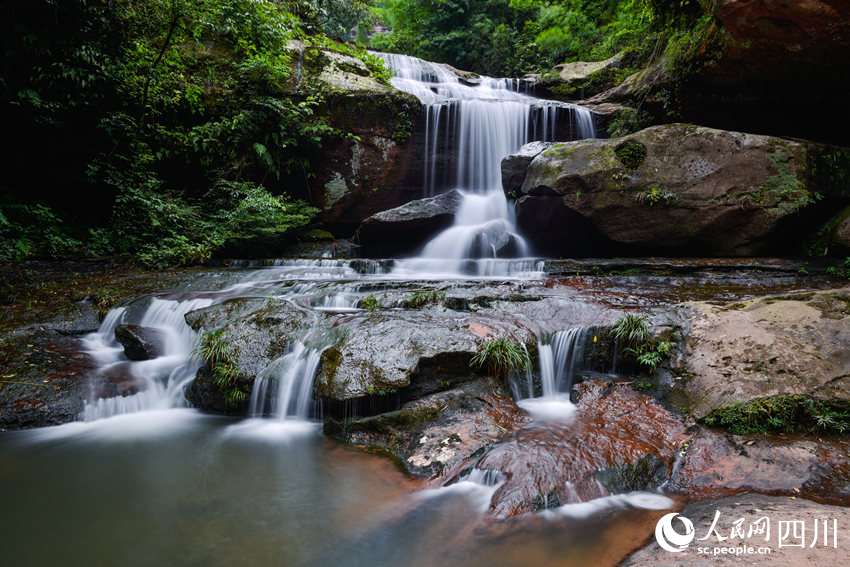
{"points": [[143, 479]]}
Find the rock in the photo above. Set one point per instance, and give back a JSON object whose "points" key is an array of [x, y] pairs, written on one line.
{"points": [[752, 507], [619, 437], [140, 343], [44, 380], [579, 80], [437, 432], [669, 190], [752, 64], [412, 349], [379, 166], [795, 344], [515, 166], [840, 240], [715, 465], [406, 227]]}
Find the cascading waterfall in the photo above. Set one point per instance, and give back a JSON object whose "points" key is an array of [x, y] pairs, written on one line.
{"points": [[479, 122], [559, 357], [284, 389], [161, 380]]}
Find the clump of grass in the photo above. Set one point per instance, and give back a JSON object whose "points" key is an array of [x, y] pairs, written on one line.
{"points": [[500, 356], [632, 330], [787, 413], [419, 299], [370, 303], [216, 353]]}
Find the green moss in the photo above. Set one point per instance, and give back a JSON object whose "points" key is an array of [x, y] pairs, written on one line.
{"points": [[790, 413], [631, 153]]}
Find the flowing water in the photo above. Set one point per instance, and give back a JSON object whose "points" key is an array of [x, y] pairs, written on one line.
{"points": [[141, 479], [478, 123]]}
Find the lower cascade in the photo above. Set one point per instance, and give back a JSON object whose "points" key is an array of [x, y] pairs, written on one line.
{"points": [[560, 358]]}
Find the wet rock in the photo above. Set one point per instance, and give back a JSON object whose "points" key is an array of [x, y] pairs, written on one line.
{"points": [[44, 380], [203, 393], [648, 471], [752, 507], [407, 227], [435, 433], [794, 344], [380, 166], [140, 343], [396, 349], [715, 464], [81, 318], [608, 433], [515, 166], [675, 189], [256, 331]]}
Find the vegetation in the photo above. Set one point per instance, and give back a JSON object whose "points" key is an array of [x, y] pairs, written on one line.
{"points": [[165, 129], [511, 37], [790, 413], [632, 330], [631, 154], [419, 299], [500, 356], [216, 353], [370, 303]]}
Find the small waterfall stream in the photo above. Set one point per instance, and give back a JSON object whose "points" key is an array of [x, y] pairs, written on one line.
{"points": [[560, 356], [479, 123], [160, 381]]}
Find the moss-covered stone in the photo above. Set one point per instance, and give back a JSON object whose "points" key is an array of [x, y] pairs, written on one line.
{"points": [[631, 153]]}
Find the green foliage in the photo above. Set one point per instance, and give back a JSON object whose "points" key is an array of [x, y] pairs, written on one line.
{"points": [[656, 194], [500, 356], [631, 330], [628, 121], [27, 229], [631, 153], [183, 123], [843, 272], [371, 303], [790, 413], [419, 299], [216, 353]]}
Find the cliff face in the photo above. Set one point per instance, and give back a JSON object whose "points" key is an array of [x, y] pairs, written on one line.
{"points": [[767, 66]]}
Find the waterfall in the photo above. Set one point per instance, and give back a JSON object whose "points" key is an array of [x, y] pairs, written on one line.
{"points": [[284, 389], [559, 357], [478, 122], [161, 380]]}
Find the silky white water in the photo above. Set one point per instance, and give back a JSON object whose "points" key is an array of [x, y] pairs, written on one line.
{"points": [[478, 123], [559, 356]]}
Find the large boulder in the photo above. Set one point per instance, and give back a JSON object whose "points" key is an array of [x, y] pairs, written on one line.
{"points": [[676, 189], [515, 166], [795, 344], [412, 350], [410, 225], [840, 240], [379, 165]]}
